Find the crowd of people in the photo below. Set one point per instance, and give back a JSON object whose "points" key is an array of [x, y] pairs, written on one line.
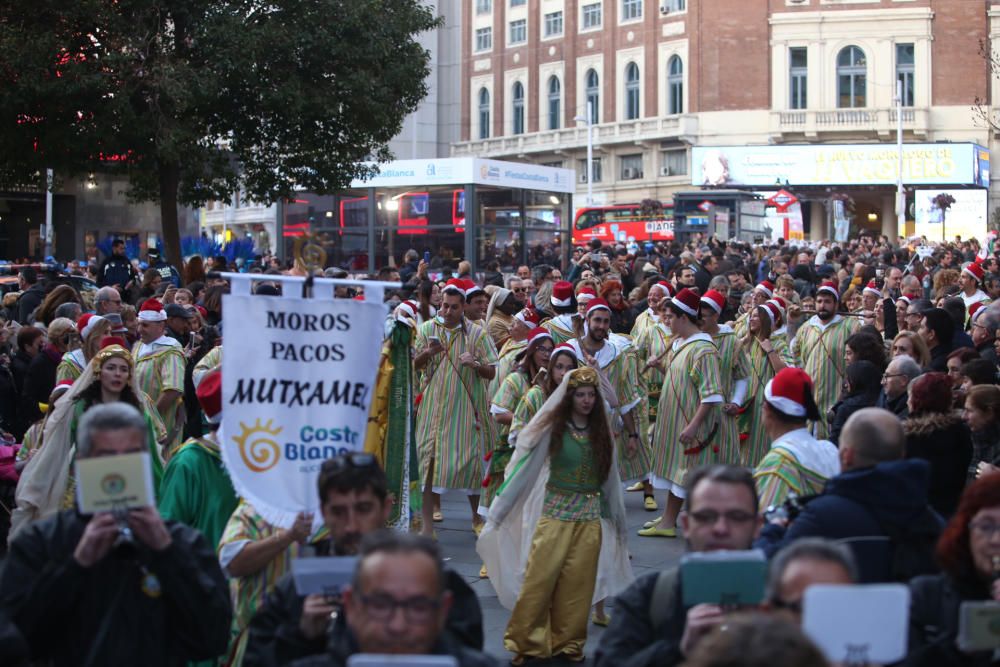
{"points": [[833, 405]]}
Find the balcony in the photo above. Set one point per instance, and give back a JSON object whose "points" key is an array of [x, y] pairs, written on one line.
{"points": [[680, 127], [873, 123]]}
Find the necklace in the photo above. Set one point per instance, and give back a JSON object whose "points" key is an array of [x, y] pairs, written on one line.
{"points": [[578, 428]]}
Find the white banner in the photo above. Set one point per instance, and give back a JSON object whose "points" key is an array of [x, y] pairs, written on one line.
{"points": [[297, 379], [967, 217]]}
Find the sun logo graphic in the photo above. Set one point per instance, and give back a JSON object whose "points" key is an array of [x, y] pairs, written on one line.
{"points": [[258, 451]]}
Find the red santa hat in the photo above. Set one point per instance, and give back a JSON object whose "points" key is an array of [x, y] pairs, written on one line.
{"points": [[976, 271], [974, 310], [773, 311], [787, 391], [87, 322], [767, 287], [906, 299], [872, 288], [714, 300], [152, 311], [780, 303], [108, 341], [687, 301], [471, 288], [209, 394], [538, 333], [406, 312], [454, 286], [565, 347], [585, 294], [667, 288], [597, 304], [562, 294], [529, 316], [830, 287]]}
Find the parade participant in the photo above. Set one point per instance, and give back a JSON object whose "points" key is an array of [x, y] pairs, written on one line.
{"points": [[500, 315], [584, 295], [763, 291], [767, 355], [92, 328], [33, 436], [159, 368], [651, 345], [651, 316], [561, 475], [614, 356], [196, 489], [734, 369], [523, 322], [970, 280], [355, 503], [818, 349], [566, 324], [476, 302], [648, 630], [79, 594], [796, 462], [455, 361], [685, 437], [46, 483], [562, 360]]}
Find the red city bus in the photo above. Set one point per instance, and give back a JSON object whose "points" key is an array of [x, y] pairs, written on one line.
{"points": [[622, 222]]}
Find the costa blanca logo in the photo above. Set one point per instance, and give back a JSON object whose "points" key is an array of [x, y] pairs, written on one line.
{"points": [[113, 484], [258, 451]]}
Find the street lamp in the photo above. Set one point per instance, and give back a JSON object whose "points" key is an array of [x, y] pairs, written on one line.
{"points": [[589, 120]]}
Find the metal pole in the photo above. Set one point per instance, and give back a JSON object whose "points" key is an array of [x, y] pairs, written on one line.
{"points": [[48, 214], [590, 153], [900, 194]]}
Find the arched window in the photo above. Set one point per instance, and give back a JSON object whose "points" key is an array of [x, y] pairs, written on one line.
{"points": [[675, 85], [852, 71], [593, 95], [631, 91], [484, 113], [555, 103], [517, 107]]}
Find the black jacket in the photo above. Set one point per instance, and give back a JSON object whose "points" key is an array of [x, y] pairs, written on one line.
{"points": [[19, 364], [66, 612], [344, 646], [935, 601], [39, 382], [939, 358], [116, 270], [275, 638], [944, 441], [29, 300], [897, 406], [847, 407], [856, 507], [631, 639]]}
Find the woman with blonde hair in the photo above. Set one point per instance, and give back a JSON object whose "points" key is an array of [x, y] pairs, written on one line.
{"points": [[910, 343]]}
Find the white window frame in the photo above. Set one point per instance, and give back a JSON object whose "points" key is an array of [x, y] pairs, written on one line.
{"points": [[631, 11], [486, 33], [522, 25], [550, 20], [583, 16]]}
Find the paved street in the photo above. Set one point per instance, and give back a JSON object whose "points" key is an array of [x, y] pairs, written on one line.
{"points": [[458, 545]]}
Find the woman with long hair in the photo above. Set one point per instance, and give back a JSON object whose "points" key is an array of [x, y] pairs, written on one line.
{"points": [[621, 312], [151, 280], [429, 298], [865, 346], [861, 390], [982, 414], [936, 433], [194, 270], [767, 354], [46, 484], [546, 522], [562, 360], [46, 311], [910, 343], [92, 329]]}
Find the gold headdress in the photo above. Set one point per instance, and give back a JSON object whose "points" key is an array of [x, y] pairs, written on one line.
{"points": [[113, 351], [585, 376]]}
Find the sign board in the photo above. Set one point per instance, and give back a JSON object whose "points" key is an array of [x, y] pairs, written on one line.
{"points": [[840, 164], [967, 217], [297, 380], [781, 200], [705, 206], [459, 171]]}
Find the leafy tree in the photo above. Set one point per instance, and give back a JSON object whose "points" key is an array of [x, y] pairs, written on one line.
{"points": [[191, 98]]}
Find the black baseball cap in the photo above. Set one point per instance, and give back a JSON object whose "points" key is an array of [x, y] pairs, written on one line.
{"points": [[176, 310]]}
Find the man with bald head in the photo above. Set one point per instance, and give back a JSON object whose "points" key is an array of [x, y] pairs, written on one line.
{"points": [[878, 500]]}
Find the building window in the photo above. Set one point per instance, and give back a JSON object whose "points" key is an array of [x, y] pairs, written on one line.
{"points": [[484, 113], [592, 15], [553, 24], [593, 96], [674, 5], [797, 73], [675, 85], [517, 106], [582, 171], [674, 163], [631, 91], [484, 6], [555, 165], [631, 167], [518, 3], [484, 39], [631, 9], [904, 71], [518, 31], [555, 103], [852, 70]]}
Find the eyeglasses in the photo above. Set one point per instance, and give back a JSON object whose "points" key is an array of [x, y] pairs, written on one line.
{"points": [[351, 460], [519, 289], [794, 607], [985, 529], [887, 376], [416, 609], [710, 517]]}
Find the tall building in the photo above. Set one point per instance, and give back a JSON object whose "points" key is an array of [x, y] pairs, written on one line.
{"points": [[754, 94]]}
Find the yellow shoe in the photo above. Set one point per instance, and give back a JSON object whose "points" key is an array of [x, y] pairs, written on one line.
{"points": [[638, 486], [477, 528], [600, 620], [658, 532], [649, 503], [653, 522], [482, 572]]}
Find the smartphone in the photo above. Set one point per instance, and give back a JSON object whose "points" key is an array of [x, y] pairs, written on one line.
{"points": [[427, 256], [434, 339], [979, 626], [879, 273], [730, 578]]}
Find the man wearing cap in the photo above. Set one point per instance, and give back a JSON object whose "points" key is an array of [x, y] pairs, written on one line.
{"points": [[615, 357], [734, 370], [970, 281], [196, 489], [166, 270], [797, 462], [566, 324], [178, 323], [687, 435], [763, 291], [455, 361], [819, 349], [159, 368]]}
